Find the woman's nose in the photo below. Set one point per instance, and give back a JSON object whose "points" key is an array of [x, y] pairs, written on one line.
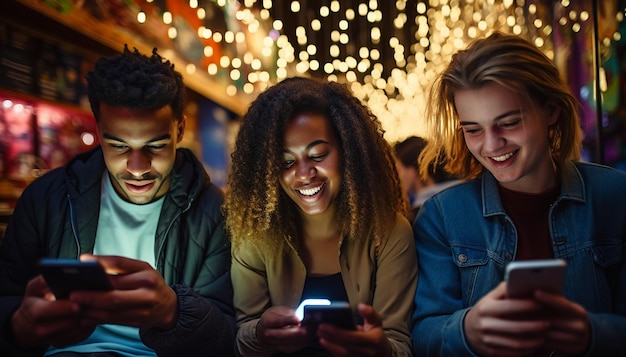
{"points": [[493, 140], [305, 170]]}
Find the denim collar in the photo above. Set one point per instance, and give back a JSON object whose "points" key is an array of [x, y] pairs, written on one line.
{"points": [[572, 188]]}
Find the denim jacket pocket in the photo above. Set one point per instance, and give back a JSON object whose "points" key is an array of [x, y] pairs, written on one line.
{"points": [[475, 269], [607, 254], [602, 276], [467, 257], [608, 259]]}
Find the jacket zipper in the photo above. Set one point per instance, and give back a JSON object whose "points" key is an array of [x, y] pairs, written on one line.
{"points": [[73, 225], [169, 227]]}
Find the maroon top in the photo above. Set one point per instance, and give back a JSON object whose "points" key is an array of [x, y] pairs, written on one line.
{"points": [[529, 212]]}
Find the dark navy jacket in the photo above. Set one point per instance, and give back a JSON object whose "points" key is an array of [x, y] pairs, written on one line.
{"points": [[57, 216]]}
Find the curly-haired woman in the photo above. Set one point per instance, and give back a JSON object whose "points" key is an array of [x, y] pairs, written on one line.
{"points": [[315, 210]]}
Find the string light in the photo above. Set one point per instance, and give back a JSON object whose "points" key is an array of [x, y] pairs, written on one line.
{"points": [[391, 74]]}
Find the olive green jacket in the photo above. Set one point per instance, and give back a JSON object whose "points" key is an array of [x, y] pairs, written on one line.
{"points": [[384, 277]]}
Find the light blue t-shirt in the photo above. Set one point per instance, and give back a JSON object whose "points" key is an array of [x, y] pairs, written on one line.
{"points": [[124, 229]]}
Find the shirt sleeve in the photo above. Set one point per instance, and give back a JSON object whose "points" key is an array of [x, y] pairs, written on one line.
{"points": [[396, 278]]}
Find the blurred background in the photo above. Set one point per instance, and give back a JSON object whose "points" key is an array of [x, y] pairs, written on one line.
{"points": [[228, 51]]}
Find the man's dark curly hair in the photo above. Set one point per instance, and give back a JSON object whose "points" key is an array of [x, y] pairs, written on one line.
{"points": [[258, 211], [135, 81]]}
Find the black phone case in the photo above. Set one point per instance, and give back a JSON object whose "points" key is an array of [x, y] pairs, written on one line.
{"points": [[64, 276], [339, 315]]}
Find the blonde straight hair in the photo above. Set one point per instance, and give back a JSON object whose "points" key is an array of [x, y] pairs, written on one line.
{"points": [[511, 62]]}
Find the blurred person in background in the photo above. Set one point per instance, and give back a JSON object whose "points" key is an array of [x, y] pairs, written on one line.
{"points": [[418, 188]]}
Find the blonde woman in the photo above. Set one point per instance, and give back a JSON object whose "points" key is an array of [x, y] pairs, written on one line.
{"points": [[506, 121]]}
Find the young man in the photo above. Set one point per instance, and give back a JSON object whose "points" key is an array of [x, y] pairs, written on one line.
{"points": [[145, 210]]}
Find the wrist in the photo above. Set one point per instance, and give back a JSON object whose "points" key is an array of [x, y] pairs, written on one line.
{"points": [[388, 348], [14, 332], [171, 317], [259, 333]]}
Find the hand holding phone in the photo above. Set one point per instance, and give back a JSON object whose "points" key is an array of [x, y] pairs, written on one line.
{"points": [[66, 275], [524, 277], [312, 312]]}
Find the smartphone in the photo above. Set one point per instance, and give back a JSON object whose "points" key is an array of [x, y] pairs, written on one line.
{"points": [[524, 277], [312, 312], [66, 275]]}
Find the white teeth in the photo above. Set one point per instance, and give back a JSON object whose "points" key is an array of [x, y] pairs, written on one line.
{"points": [[502, 157], [310, 191]]}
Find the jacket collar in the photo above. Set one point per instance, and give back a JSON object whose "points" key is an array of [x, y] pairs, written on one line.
{"points": [[188, 175], [188, 178], [572, 188]]}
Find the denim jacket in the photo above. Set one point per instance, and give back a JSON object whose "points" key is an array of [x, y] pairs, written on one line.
{"points": [[465, 239]]}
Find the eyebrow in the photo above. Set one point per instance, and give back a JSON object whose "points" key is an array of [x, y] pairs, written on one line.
{"points": [[499, 117], [158, 138], [312, 144]]}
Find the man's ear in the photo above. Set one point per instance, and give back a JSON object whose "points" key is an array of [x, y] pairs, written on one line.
{"points": [[181, 129]]}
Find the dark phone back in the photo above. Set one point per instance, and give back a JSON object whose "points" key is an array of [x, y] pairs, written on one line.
{"points": [[66, 275], [338, 314]]}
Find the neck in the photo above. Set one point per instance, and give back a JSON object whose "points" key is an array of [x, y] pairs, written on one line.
{"points": [[320, 239], [320, 227], [540, 180]]}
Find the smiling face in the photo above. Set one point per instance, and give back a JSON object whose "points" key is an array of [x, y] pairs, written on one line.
{"points": [[508, 136], [311, 164], [139, 148]]}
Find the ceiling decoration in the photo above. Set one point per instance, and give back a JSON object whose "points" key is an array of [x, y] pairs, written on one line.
{"points": [[387, 51]]}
